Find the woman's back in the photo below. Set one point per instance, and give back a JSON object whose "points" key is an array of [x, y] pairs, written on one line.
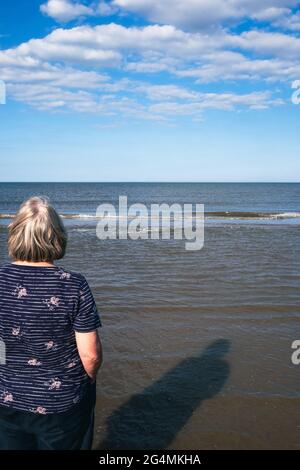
{"points": [[40, 310]]}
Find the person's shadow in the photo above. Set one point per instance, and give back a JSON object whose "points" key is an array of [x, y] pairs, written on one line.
{"points": [[151, 419]]}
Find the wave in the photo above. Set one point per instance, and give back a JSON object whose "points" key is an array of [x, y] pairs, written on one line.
{"points": [[210, 215], [253, 215], [79, 216], [286, 215], [6, 216]]}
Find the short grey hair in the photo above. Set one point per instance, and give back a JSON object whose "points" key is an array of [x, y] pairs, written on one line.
{"points": [[37, 232]]}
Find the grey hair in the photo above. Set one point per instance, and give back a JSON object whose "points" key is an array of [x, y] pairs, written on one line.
{"points": [[37, 232]]}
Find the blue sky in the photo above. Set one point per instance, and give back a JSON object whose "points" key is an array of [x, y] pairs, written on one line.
{"points": [[147, 90]]}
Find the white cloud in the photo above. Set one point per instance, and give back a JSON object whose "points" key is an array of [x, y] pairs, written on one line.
{"points": [[68, 10], [229, 65], [202, 14], [52, 75], [220, 101], [63, 88], [270, 13], [166, 92], [166, 104], [271, 44], [106, 44], [105, 9], [70, 69], [157, 48], [65, 10], [289, 21], [192, 15]]}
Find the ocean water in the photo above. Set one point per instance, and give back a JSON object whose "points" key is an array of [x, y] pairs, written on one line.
{"points": [[197, 345]]}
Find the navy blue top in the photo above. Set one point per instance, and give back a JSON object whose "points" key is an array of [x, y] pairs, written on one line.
{"points": [[40, 310]]}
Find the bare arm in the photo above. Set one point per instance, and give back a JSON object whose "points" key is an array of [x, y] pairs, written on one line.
{"points": [[90, 351]]}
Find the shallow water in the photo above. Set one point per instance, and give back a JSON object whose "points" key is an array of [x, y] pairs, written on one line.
{"points": [[197, 345]]}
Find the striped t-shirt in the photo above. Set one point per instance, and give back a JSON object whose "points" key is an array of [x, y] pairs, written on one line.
{"points": [[40, 310]]}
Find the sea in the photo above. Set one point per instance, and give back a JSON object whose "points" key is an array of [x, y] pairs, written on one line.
{"points": [[199, 346]]}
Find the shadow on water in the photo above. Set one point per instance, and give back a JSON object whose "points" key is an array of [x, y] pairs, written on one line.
{"points": [[151, 419]]}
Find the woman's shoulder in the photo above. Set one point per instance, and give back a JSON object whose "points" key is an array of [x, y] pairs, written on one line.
{"points": [[68, 275], [5, 267], [59, 272]]}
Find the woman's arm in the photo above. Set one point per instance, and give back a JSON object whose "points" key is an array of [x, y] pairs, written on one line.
{"points": [[90, 351]]}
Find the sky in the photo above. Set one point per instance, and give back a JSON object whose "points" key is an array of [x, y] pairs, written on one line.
{"points": [[149, 90]]}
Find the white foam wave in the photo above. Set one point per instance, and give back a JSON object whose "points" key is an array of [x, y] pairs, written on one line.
{"points": [[286, 215]]}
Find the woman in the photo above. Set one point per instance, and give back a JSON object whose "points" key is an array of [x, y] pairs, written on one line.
{"points": [[49, 331]]}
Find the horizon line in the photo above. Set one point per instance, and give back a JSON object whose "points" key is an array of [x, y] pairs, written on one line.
{"points": [[150, 182]]}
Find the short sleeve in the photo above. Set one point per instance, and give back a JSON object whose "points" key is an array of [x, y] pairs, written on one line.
{"points": [[86, 318]]}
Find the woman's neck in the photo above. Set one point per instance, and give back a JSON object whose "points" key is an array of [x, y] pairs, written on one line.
{"points": [[33, 263]]}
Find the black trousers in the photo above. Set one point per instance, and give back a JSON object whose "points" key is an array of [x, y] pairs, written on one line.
{"points": [[70, 430]]}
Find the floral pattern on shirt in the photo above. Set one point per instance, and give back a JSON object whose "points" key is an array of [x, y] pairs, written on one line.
{"points": [[63, 274], [20, 292], [7, 397], [81, 294], [16, 331], [33, 362], [50, 346], [52, 303], [47, 306], [53, 384], [72, 364], [39, 410]]}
